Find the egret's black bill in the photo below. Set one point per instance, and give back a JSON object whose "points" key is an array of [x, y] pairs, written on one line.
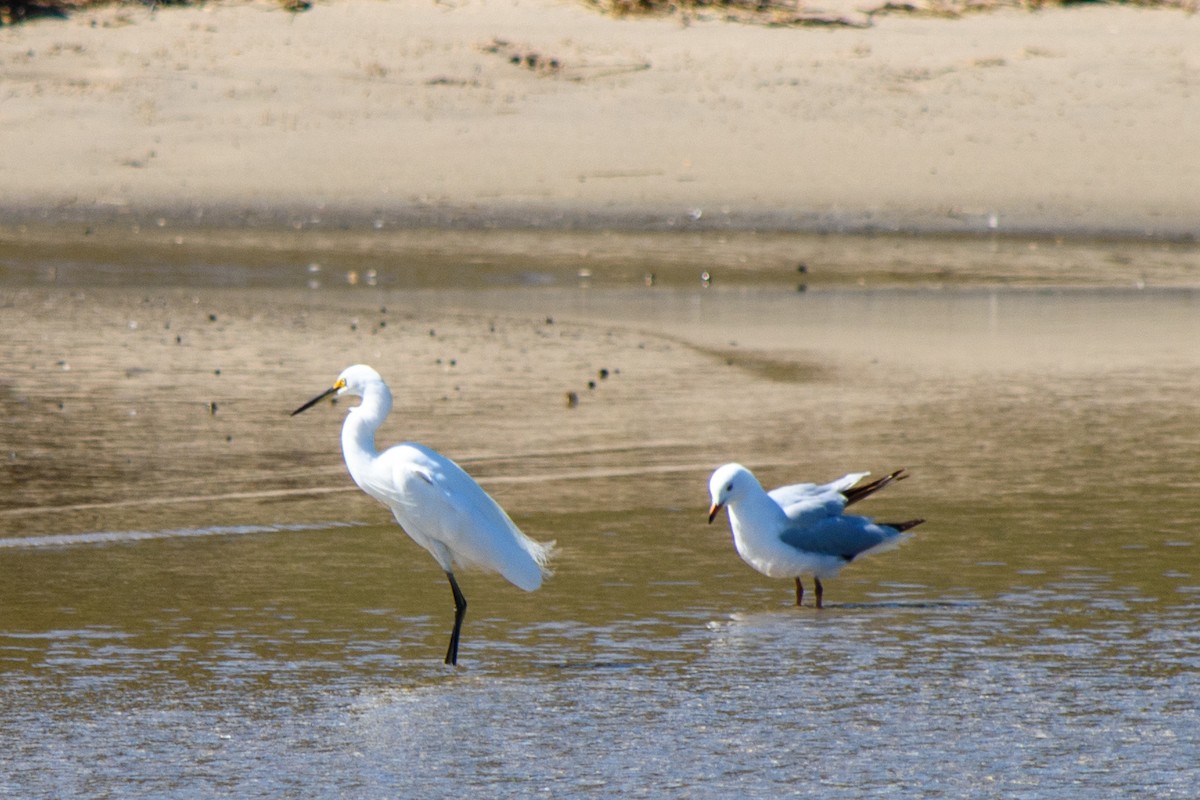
{"points": [[328, 392]]}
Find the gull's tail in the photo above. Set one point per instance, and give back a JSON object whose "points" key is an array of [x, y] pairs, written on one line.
{"points": [[856, 493]]}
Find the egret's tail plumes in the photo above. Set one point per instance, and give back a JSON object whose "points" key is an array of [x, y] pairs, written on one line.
{"points": [[522, 560], [856, 493], [540, 552], [525, 561]]}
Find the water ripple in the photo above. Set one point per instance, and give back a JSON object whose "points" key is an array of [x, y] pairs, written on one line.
{"points": [[121, 537]]}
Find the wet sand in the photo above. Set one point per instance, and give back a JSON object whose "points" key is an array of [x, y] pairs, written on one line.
{"points": [[151, 369], [137, 399], [547, 114]]}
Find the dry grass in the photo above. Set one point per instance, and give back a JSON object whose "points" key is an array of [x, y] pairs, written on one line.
{"points": [[797, 12], [13, 12], [762, 12]]}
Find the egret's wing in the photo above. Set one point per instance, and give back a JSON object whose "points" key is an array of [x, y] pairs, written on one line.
{"points": [[841, 536], [439, 502], [803, 493]]}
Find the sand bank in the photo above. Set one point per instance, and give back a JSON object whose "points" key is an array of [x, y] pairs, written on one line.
{"points": [[544, 113]]}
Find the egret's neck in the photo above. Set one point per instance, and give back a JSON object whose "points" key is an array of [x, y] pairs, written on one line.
{"points": [[358, 432]]}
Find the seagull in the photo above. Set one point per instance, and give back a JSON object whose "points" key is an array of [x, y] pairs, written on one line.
{"points": [[437, 504], [801, 529]]}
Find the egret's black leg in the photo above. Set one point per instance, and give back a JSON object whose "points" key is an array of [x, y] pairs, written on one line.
{"points": [[820, 591], [460, 611], [799, 593]]}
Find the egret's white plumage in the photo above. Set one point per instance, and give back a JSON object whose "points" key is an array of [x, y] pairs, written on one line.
{"points": [[801, 529], [439, 505]]}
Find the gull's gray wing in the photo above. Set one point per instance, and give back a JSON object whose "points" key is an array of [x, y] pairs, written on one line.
{"points": [[840, 536], [788, 496]]}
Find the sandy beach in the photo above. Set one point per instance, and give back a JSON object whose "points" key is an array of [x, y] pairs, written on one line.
{"points": [[547, 113]]}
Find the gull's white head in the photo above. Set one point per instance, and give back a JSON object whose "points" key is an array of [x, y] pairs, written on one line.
{"points": [[727, 484]]}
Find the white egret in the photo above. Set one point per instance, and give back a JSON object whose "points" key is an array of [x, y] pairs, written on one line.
{"points": [[437, 504], [800, 529]]}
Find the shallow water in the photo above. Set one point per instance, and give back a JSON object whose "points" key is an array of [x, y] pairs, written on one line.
{"points": [[195, 601]]}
